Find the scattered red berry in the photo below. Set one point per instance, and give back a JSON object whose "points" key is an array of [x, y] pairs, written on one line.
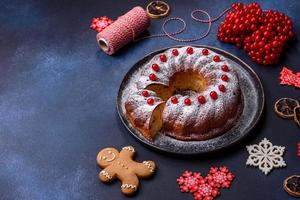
{"points": [[145, 93], [225, 68], [216, 58], [174, 100], [150, 101], [152, 77], [222, 88], [187, 102], [224, 77], [190, 50], [213, 95], [175, 52], [155, 67], [205, 52], [163, 58], [201, 99]]}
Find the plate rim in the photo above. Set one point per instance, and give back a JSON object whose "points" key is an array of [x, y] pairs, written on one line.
{"points": [[247, 131]]}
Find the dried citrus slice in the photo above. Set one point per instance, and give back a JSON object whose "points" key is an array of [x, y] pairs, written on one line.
{"points": [[297, 115], [292, 185], [284, 107], [157, 9]]}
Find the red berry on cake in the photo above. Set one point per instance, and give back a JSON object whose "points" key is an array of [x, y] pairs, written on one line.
{"points": [[187, 102], [225, 68], [222, 88], [224, 77], [201, 99], [213, 95], [216, 58], [152, 77], [175, 52], [163, 58], [145, 93], [150, 101], [205, 52], [174, 100], [155, 67], [190, 50]]}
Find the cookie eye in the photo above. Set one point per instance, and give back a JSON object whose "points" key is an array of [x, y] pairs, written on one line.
{"points": [[109, 152], [104, 158]]}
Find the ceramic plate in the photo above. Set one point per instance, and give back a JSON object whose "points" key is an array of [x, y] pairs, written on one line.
{"points": [[253, 94]]}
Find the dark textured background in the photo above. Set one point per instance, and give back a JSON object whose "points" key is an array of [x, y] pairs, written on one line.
{"points": [[57, 104]]}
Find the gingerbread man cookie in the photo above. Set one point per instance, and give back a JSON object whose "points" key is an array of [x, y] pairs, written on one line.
{"points": [[121, 166]]}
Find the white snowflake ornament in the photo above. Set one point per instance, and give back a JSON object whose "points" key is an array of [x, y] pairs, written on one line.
{"points": [[265, 156]]}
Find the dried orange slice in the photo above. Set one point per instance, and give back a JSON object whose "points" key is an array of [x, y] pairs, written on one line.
{"points": [[157, 9], [284, 107], [297, 115], [292, 185]]}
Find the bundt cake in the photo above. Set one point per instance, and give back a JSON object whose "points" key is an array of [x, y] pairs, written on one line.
{"points": [[188, 93]]}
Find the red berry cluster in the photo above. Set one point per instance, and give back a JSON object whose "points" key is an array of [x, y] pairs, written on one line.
{"points": [[100, 23], [205, 188], [262, 34], [287, 77], [298, 151]]}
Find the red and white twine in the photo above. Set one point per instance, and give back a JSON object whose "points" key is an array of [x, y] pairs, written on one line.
{"points": [[129, 26]]}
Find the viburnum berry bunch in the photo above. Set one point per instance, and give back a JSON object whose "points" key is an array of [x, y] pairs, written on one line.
{"points": [[205, 188], [100, 23], [262, 34]]}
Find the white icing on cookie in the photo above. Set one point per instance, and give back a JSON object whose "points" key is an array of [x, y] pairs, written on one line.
{"points": [[128, 186], [129, 148], [148, 165], [106, 174]]}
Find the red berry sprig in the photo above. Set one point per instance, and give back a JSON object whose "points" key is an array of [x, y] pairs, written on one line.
{"points": [[262, 34], [100, 23]]}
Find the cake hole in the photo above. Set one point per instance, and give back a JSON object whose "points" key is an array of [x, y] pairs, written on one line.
{"points": [[183, 82]]}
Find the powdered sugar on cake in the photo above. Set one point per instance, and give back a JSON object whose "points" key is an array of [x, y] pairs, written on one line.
{"points": [[222, 94]]}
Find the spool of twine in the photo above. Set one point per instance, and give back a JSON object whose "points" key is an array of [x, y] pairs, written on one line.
{"points": [[124, 30], [130, 25]]}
